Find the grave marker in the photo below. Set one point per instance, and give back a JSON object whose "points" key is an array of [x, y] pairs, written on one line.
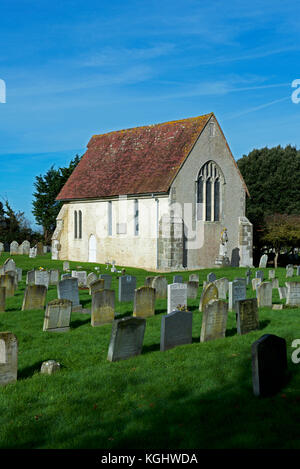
{"points": [[127, 337], [103, 307], [237, 291], [144, 302], [127, 286], [34, 297], [209, 292], [8, 358], [57, 316], [160, 284], [214, 320], [247, 316], [176, 329], [177, 296], [264, 294]]}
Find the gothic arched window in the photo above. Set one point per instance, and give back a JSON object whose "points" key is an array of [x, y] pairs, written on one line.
{"points": [[209, 192]]}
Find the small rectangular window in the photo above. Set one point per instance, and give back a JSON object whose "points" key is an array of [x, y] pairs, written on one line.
{"points": [[75, 224], [80, 225], [136, 217], [109, 218]]}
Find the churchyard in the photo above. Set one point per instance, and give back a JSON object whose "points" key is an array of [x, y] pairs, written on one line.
{"points": [[198, 394]]}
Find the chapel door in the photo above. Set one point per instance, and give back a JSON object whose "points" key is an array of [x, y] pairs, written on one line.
{"points": [[92, 249]]}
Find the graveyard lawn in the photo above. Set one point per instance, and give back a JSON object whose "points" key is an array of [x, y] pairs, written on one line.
{"points": [[189, 397]]}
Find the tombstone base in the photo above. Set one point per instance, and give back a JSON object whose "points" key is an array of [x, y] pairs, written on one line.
{"points": [[77, 309], [58, 329]]}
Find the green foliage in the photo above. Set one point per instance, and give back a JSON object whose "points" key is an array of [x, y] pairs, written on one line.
{"points": [[14, 226], [45, 207]]}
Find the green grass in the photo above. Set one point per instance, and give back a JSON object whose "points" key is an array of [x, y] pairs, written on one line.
{"points": [[194, 396]]}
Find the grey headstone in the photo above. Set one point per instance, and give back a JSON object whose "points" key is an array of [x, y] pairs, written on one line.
{"points": [[194, 278], [57, 316], [192, 289], [97, 285], [211, 277], [67, 289], [275, 283], [9, 264], [177, 296], [269, 365], [264, 294], [81, 277], [298, 270], [107, 280], [25, 247], [127, 286], [209, 292], [34, 297], [8, 358], [176, 329], [259, 274], [214, 320], [290, 272], [271, 274], [49, 367], [66, 265], [177, 279], [247, 315], [160, 284], [19, 273], [53, 277], [222, 285], [263, 261], [293, 293], [237, 291], [30, 277], [8, 282], [255, 283], [41, 277], [103, 307], [144, 302], [282, 292], [14, 248], [92, 277], [127, 337]]}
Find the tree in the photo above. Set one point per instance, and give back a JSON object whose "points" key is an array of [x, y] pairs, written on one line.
{"points": [[14, 226], [45, 207]]}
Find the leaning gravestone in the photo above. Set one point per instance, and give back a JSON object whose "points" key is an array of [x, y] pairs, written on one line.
{"points": [[290, 272], [282, 292], [34, 297], [247, 315], [53, 277], [9, 264], [67, 289], [144, 302], [293, 293], [127, 286], [264, 294], [263, 261], [160, 284], [96, 286], [192, 289], [176, 329], [57, 316], [8, 358], [194, 278], [107, 280], [127, 337], [211, 277], [269, 365], [103, 307], [14, 248], [214, 320], [237, 291], [177, 296], [222, 285], [209, 292], [2, 299], [8, 282], [92, 277], [41, 277], [177, 279]]}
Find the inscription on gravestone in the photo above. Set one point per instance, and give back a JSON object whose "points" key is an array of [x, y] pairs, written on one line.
{"points": [[127, 337], [214, 320], [127, 286], [237, 291], [177, 295], [67, 289], [247, 315], [57, 316], [293, 293]]}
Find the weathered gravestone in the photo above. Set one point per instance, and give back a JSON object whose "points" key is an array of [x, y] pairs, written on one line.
{"points": [[67, 289], [49, 367], [269, 365], [14, 275], [255, 283], [144, 302], [293, 293], [259, 274], [209, 292], [103, 307], [237, 291], [264, 294], [176, 329], [282, 292], [290, 272], [19, 274], [8, 358], [148, 281], [66, 266], [41, 277], [96, 286], [57, 316], [271, 274], [9, 264], [14, 248], [32, 252], [194, 278], [30, 276], [177, 279], [34, 297], [263, 261], [39, 249], [214, 320], [127, 337], [1, 247], [192, 289], [247, 315], [127, 286], [53, 277], [64, 276], [298, 270], [107, 280], [160, 284], [92, 277], [177, 296], [81, 277], [222, 285], [8, 282], [275, 283], [24, 248], [2, 299], [211, 277]]}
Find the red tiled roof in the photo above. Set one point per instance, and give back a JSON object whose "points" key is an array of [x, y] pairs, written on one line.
{"points": [[140, 160]]}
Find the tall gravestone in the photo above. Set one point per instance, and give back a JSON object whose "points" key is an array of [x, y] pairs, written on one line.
{"points": [[237, 291], [293, 293], [263, 261], [192, 289], [177, 296], [127, 338], [209, 292], [8, 358], [67, 289], [214, 320], [57, 316], [127, 286], [103, 307], [41, 277], [222, 285], [144, 302], [34, 297], [160, 284], [25, 247], [176, 329], [247, 316], [269, 365], [264, 294]]}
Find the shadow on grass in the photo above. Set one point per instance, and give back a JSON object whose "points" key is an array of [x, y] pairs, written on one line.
{"points": [[263, 324], [150, 348], [29, 371], [79, 322]]}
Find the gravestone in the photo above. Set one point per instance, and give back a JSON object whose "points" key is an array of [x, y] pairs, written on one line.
{"points": [[30, 276], [9, 264], [177, 296], [214, 320], [19, 273], [39, 249], [14, 275], [192, 289], [289, 272], [247, 315], [92, 277], [127, 286], [211, 277], [255, 283], [269, 365], [57, 316], [282, 292], [32, 252], [298, 270], [34, 297], [1, 247], [103, 307], [263, 261], [264, 294], [271, 274], [53, 277], [177, 279], [67, 289], [14, 248], [127, 337], [148, 281], [97, 286], [45, 249], [209, 292], [41, 277], [275, 283], [8, 358], [176, 329], [81, 277], [107, 280], [237, 291], [66, 266], [144, 302], [25, 247], [293, 293], [8, 282], [64, 276], [222, 285], [248, 277], [194, 278], [2, 299], [259, 274], [49, 367], [160, 284]]}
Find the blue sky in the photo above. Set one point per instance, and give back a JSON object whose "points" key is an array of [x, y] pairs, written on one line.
{"points": [[77, 68]]}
